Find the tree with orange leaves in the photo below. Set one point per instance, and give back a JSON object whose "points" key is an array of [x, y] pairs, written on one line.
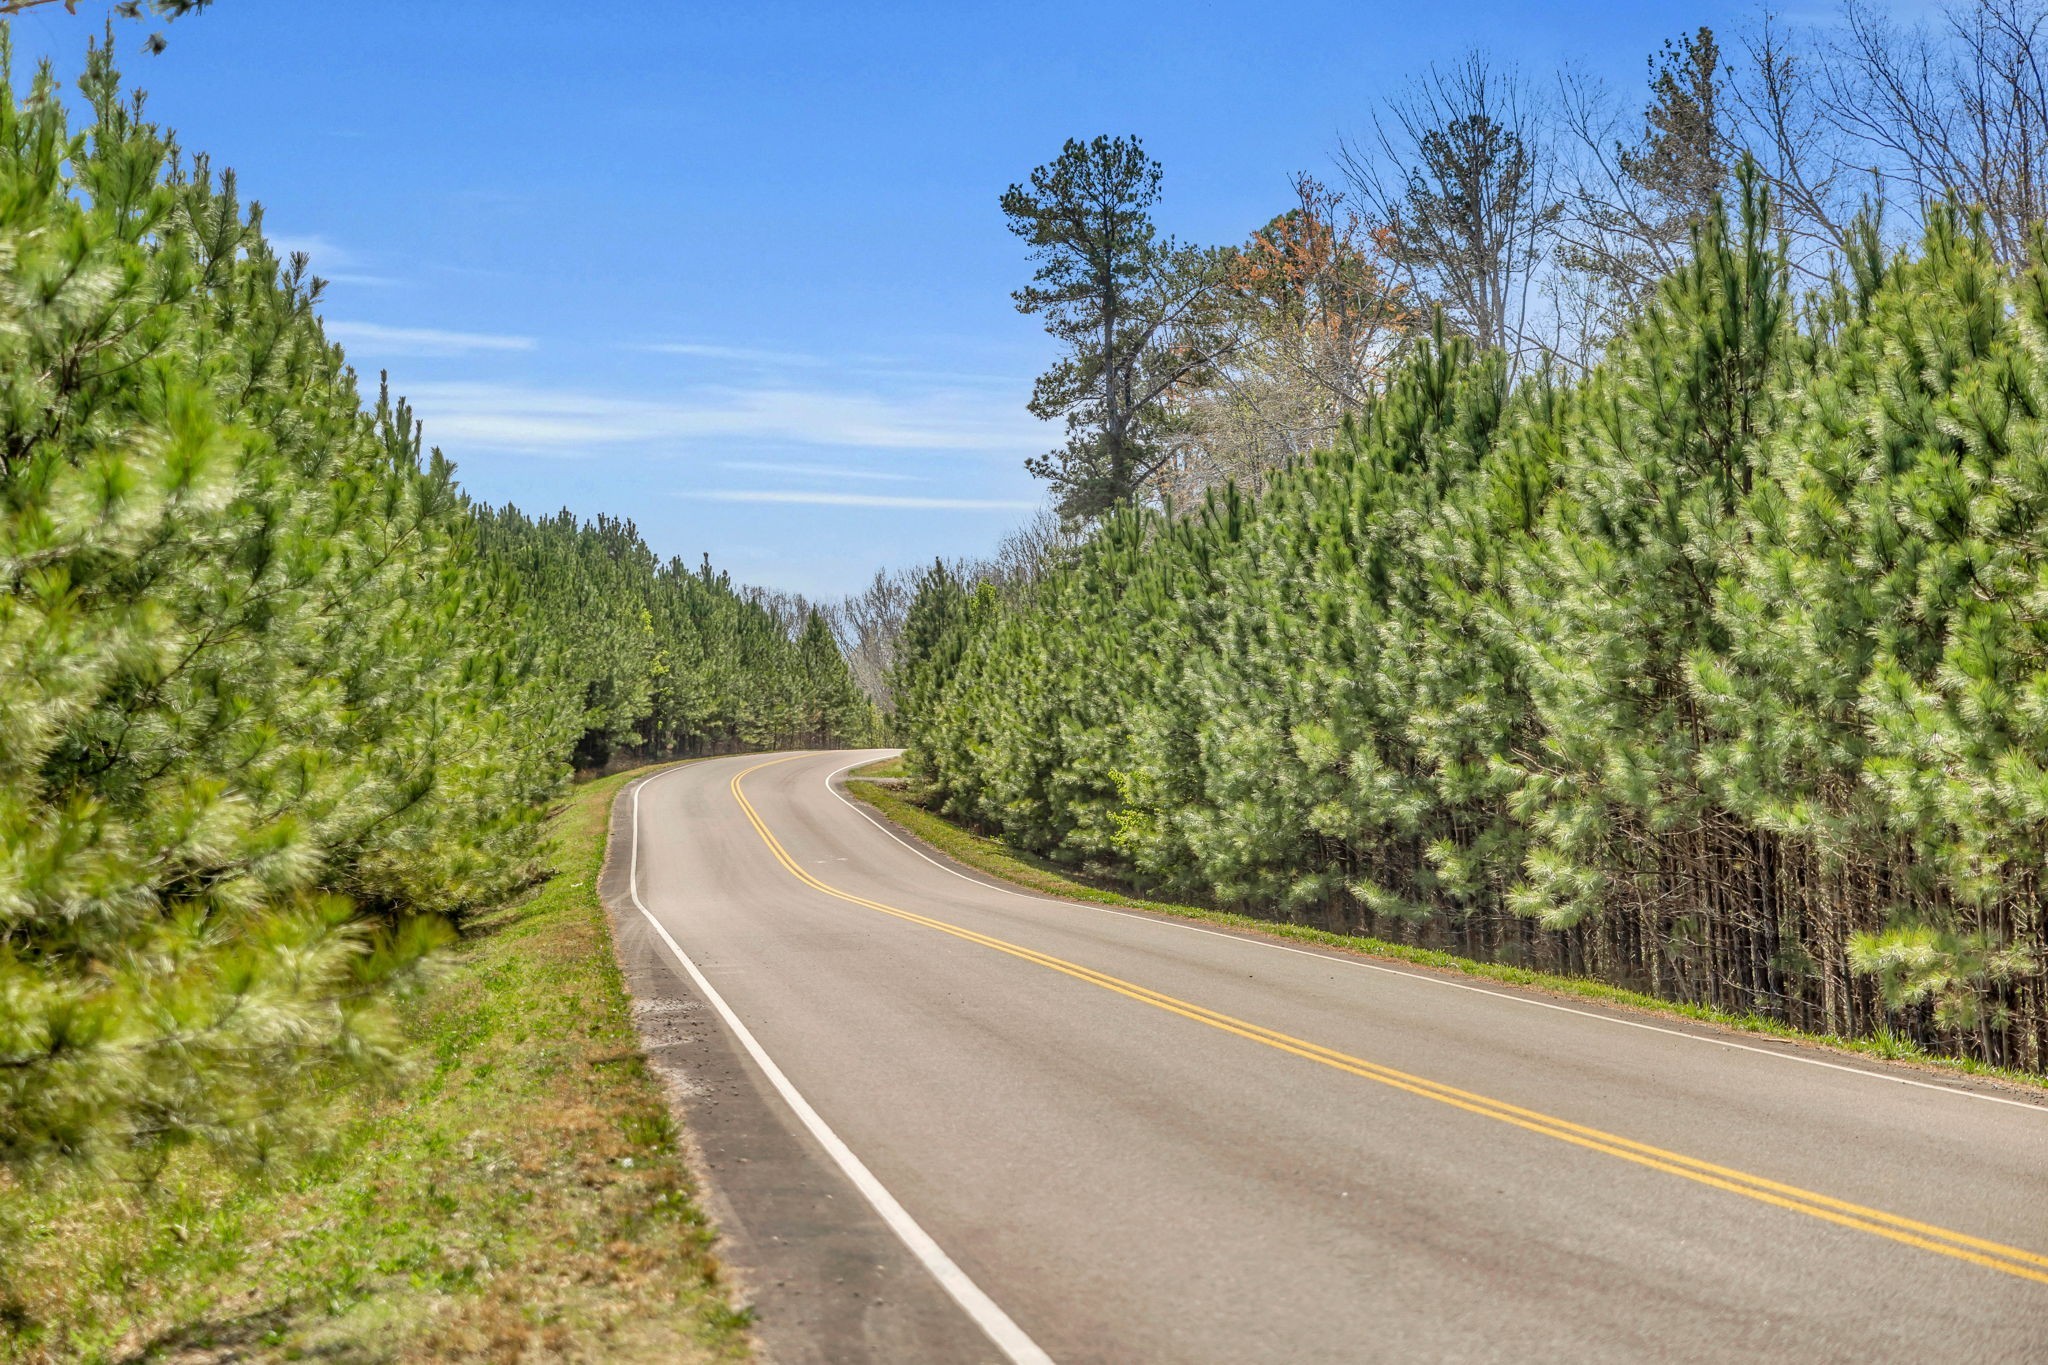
{"points": [[1316, 317]]}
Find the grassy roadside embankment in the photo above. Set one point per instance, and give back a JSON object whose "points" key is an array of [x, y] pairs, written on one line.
{"points": [[520, 1195], [1033, 873]]}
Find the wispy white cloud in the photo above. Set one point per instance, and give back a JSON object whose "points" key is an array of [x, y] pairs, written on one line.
{"points": [[827, 498], [817, 471], [1010, 385], [422, 341], [750, 355], [323, 251], [889, 368], [559, 422], [331, 262]]}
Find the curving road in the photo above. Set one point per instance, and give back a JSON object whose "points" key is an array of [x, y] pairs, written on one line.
{"points": [[948, 1121]]}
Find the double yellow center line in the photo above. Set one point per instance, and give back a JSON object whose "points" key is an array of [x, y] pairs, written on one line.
{"points": [[1991, 1255]]}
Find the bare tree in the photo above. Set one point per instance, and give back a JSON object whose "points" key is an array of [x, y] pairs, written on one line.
{"points": [[868, 624], [1632, 189], [1030, 552], [1871, 116], [1632, 185], [788, 609], [1458, 171], [1821, 179], [1958, 110]]}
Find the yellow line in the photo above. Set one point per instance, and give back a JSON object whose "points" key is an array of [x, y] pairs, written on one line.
{"points": [[1926, 1236]]}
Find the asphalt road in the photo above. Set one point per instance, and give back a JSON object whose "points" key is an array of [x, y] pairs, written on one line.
{"points": [[1083, 1135]]}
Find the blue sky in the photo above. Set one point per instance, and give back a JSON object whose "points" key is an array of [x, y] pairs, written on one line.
{"points": [[736, 271]]}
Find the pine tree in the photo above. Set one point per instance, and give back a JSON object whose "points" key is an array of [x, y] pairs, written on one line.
{"points": [[278, 707], [1717, 672], [251, 677]]}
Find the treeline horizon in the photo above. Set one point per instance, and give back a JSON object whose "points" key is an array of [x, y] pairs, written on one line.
{"points": [[1716, 672]]}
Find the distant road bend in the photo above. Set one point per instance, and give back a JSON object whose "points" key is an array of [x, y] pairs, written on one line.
{"points": [[1024, 1129]]}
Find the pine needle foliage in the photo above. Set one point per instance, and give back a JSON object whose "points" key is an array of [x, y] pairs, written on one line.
{"points": [[254, 722], [1717, 673], [661, 660], [277, 706]]}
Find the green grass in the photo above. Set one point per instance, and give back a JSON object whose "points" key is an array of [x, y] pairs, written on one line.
{"points": [[1033, 873], [520, 1196]]}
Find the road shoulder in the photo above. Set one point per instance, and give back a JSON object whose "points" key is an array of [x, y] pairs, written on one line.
{"points": [[987, 859], [827, 1280]]}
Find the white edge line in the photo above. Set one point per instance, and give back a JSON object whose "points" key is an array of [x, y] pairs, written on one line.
{"points": [[1008, 1337], [1427, 977]]}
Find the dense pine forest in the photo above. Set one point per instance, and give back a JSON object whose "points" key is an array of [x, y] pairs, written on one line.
{"points": [[666, 660], [1720, 671], [278, 707]]}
